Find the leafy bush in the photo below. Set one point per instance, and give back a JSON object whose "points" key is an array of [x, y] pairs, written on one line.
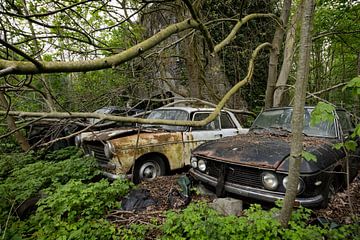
{"points": [[27, 176], [75, 210], [198, 221]]}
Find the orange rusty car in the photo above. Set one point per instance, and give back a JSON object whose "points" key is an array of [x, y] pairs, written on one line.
{"points": [[148, 151]]}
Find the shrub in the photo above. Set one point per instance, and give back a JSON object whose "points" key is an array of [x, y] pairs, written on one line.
{"points": [[24, 180], [198, 221], [75, 211]]}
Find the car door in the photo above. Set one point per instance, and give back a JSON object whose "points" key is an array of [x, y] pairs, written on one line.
{"points": [[199, 135], [227, 125]]}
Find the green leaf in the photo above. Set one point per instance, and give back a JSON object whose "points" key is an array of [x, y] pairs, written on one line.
{"points": [[308, 156], [338, 146], [323, 112], [350, 145]]}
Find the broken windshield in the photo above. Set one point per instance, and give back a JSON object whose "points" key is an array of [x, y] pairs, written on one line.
{"points": [[168, 114], [280, 119]]}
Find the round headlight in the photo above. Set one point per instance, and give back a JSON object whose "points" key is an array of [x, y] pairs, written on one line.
{"points": [[300, 187], [78, 140], [201, 165], [109, 150], [270, 181], [193, 162]]}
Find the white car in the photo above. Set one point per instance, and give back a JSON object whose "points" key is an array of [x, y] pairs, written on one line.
{"points": [[154, 150]]}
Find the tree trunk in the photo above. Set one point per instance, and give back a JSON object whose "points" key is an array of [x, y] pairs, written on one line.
{"points": [[288, 58], [48, 97], [298, 113], [274, 55], [24, 144]]}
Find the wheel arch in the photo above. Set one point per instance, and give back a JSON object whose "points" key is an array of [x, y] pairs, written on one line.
{"points": [[156, 155]]}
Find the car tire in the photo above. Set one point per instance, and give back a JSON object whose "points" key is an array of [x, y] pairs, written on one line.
{"points": [[148, 169], [331, 189]]}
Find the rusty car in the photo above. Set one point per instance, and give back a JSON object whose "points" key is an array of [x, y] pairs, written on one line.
{"points": [[255, 166], [147, 151]]}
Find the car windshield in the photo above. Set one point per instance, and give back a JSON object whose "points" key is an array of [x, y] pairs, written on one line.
{"points": [[280, 119], [168, 114]]}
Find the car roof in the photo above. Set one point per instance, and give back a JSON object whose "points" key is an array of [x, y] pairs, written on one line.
{"points": [[309, 107], [187, 109]]}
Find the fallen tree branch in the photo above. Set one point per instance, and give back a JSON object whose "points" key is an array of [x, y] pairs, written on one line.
{"points": [[102, 63], [207, 120]]}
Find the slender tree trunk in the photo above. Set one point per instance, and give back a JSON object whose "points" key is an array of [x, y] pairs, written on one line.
{"points": [[289, 52], [274, 55], [298, 113], [48, 99], [24, 144]]}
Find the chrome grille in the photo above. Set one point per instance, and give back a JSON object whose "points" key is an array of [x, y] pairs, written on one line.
{"points": [[235, 174], [96, 150]]}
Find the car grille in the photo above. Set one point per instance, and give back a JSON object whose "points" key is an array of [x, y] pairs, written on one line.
{"points": [[96, 150], [235, 174]]}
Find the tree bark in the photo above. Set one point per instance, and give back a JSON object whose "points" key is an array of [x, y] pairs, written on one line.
{"points": [[24, 144], [48, 97], [298, 113], [289, 51], [274, 55]]}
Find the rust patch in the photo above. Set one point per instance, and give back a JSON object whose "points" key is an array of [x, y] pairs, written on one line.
{"points": [[130, 148]]}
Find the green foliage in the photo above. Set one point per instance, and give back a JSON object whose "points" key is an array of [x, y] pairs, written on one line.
{"points": [[354, 86], [198, 221], [71, 211], [335, 48], [323, 112], [71, 205], [8, 144], [25, 175], [308, 156]]}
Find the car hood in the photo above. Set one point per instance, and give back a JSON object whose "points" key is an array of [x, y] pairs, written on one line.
{"points": [[109, 134], [263, 151]]}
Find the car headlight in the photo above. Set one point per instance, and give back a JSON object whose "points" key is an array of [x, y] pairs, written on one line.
{"points": [[109, 150], [78, 141], [270, 181], [193, 162], [201, 165], [300, 187]]}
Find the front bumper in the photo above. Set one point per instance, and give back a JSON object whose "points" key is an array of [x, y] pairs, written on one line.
{"points": [[255, 193]]}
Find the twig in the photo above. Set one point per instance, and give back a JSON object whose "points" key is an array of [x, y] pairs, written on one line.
{"points": [[7, 220], [19, 128]]}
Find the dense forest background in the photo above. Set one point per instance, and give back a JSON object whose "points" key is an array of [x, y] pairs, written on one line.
{"points": [[181, 66]]}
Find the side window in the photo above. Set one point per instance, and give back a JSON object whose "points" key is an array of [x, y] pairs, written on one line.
{"points": [[210, 126], [345, 121], [226, 121]]}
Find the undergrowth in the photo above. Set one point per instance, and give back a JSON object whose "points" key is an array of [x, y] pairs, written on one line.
{"points": [[72, 202], [199, 221]]}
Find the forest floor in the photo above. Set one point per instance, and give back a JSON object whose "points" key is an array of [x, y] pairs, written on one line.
{"points": [[165, 192]]}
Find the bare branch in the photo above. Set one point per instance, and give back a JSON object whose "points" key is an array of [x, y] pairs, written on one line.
{"points": [[48, 13], [210, 118], [102, 63], [21, 53], [202, 27], [7, 71], [237, 27]]}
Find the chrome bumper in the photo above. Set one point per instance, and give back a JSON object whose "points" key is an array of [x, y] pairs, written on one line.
{"points": [[255, 193]]}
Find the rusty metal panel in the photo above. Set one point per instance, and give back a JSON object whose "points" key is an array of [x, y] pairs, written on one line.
{"points": [[130, 148]]}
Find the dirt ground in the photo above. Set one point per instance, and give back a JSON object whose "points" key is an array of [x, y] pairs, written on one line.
{"points": [[344, 207]]}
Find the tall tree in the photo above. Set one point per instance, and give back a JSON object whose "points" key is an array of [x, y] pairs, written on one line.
{"points": [[274, 56], [297, 121]]}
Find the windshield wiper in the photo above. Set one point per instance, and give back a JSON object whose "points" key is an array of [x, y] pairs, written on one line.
{"points": [[281, 129]]}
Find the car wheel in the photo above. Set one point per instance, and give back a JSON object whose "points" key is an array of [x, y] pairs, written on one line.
{"points": [[330, 191], [148, 169]]}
